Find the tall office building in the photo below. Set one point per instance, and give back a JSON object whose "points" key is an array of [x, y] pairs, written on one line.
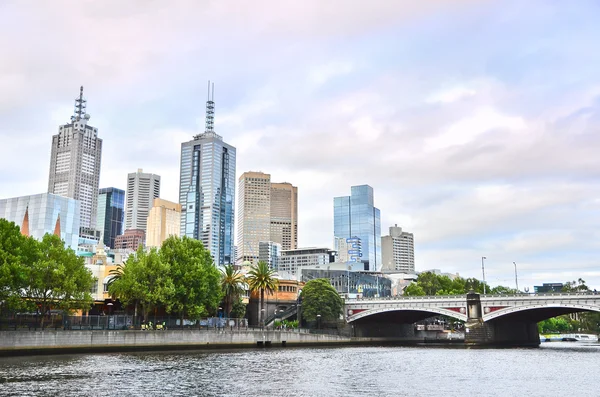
{"points": [[356, 216], [207, 190], [254, 214], [270, 253], [142, 189], [163, 221], [266, 212], [75, 164], [111, 204], [398, 251], [284, 215]]}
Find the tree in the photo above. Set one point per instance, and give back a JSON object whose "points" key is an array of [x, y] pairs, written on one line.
{"points": [[144, 281], [195, 279], [57, 277], [414, 289], [260, 278], [239, 309], [15, 258], [320, 298], [575, 286], [232, 284]]}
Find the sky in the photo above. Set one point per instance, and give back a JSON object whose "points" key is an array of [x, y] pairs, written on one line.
{"points": [[475, 122]]}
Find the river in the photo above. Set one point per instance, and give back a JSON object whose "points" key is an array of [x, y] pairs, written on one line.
{"points": [[556, 368]]}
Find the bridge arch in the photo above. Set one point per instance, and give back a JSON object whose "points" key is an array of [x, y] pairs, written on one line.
{"points": [[543, 311], [432, 310]]}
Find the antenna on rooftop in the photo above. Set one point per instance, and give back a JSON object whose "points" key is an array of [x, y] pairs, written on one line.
{"points": [[210, 108]]}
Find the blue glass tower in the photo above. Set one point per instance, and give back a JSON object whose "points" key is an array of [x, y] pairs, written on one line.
{"points": [[111, 213], [207, 190], [356, 221]]}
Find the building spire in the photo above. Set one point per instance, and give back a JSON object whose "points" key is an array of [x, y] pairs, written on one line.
{"points": [[25, 225], [57, 227], [80, 107], [210, 108]]}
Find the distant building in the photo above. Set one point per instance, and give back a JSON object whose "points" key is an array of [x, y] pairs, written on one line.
{"points": [[132, 239], [163, 221], [142, 189], [548, 288], [75, 164], [266, 212], [111, 210], [351, 283], [293, 260], [270, 253], [398, 251], [44, 213], [355, 216], [207, 190]]}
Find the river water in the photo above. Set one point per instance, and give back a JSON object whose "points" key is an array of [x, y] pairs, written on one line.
{"points": [[556, 368]]}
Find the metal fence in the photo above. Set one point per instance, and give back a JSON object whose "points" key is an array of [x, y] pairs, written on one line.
{"points": [[117, 322]]}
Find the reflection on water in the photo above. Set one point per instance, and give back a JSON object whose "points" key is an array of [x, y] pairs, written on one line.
{"points": [[558, 368]]}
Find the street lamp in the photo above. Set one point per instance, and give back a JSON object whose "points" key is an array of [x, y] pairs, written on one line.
{"points": [[516, 279], [318, 321], [483, 271], [110, 305], [262, 317]]}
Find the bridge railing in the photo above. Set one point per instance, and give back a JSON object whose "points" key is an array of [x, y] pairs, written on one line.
{"points": [[443, 297]]}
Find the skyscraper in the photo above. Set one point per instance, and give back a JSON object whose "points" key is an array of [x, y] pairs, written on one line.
{"points": [[356, 216], [111, 204], [163, 221], [398, 251], [266, 212], [75, 164], [142, 189], [207, 189]]}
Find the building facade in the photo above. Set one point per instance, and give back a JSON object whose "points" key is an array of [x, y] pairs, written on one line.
{"points": [[44, 213], [270, 253], [163, 221], [254, 214], [142, 189], [75, 164], [207, 191], [131, 240], [355, 217], [267, 211], [293, 260], [398, 251], [111, 210]]}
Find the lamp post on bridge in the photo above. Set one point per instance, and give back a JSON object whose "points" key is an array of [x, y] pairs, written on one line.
{"points": [[516, 279], [483, 271]]}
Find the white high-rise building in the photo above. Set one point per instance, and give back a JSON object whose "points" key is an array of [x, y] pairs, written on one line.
{"points": [[75, 164], [207, 190], [398, 251], [142, 189], [270, 253]]}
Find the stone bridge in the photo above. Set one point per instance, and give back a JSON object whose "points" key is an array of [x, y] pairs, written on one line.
{"points": [[490, 319]]}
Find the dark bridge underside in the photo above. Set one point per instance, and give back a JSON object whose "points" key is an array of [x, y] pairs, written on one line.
{"points": [[537, 314], [397, 317]]}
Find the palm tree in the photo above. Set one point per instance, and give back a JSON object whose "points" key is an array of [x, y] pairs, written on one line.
{"points": [[232, 283], [260, 278]]}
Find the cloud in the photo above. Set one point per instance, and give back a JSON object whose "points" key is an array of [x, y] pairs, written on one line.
{"points": [[481, 144]]}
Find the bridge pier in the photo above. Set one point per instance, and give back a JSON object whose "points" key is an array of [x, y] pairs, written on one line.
{"points": [[499, 332]]}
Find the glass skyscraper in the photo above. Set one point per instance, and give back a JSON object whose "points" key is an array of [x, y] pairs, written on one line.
{"points": [[111, 203], [207, 190], [356, 221], [44, 211]]}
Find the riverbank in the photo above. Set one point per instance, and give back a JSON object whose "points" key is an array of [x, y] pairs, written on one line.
{"points": [[16, 343]]}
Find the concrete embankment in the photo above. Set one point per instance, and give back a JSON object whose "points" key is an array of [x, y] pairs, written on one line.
{"points": [[61, 342]]}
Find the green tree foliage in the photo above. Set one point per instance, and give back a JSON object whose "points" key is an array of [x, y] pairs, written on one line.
{"points": [[575, 286], [58, 277], [15, 258], [319, 297], [194, 277], [429, 283], [144, 281], [232, 284], [560, 324], [239, 309], [260, 278]]}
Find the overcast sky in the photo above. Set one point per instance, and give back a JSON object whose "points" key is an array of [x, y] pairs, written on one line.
{"points": [[476, 122]]}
